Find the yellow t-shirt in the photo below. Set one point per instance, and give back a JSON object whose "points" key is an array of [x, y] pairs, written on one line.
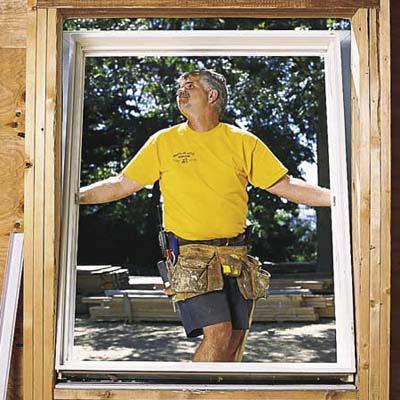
{"points": [[203, 177]]}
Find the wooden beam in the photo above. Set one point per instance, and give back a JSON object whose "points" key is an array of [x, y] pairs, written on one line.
{"points": [[289, 5], [361, 192], [384, 116], [42, 183], [205, 12], [126, 394], [371, 198], [52, 209], [39, 199], [208, 8], [375, 210], [29, 205]]}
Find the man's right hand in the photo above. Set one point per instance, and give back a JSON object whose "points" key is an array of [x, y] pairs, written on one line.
{"points": [[110, 189]]}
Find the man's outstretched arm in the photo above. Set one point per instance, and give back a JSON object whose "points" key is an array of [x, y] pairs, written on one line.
{"points": [[301, 192], [110, 189]]}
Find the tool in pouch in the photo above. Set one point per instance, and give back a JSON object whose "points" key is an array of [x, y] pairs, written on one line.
{"points": [[168, 245], [231, 265]]}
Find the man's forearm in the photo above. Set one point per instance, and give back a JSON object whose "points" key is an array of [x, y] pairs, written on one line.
{"points": [[103, 191], [301, 192], [311, 195]]}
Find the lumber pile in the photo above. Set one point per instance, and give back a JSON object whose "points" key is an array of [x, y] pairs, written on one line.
{"points": [[93, 280], [147, 302]]}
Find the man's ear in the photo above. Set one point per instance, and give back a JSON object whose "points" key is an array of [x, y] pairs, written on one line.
{"points": [[212, 95]]}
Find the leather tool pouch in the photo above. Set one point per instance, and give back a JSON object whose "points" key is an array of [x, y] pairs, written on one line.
{"points": [[253, 281]]}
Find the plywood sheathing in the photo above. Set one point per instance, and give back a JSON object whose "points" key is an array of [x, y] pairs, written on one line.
{"points": [[13, 24], [12, 128], [12, 123]]}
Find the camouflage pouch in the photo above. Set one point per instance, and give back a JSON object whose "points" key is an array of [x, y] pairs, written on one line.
{"points": [[253, 282]]}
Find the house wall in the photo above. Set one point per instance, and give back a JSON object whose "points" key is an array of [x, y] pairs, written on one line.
{"points": [[12, 127], [395, 317], [13, 22]]}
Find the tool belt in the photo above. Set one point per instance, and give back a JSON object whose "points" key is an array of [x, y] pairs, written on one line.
{"points": [[239, 240], [200, 269]]}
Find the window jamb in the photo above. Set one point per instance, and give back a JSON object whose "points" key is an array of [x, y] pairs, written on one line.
{"points": [[305, 43]]}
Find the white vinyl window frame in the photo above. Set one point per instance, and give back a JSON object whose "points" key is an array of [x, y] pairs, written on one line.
{"points": [[9, 306], [326, 44]]}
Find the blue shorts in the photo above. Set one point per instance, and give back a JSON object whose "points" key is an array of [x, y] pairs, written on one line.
{"points": [[215, 307]]}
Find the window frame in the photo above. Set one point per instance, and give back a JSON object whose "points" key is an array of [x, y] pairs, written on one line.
{"points": [[9, 305], [263, 43]]}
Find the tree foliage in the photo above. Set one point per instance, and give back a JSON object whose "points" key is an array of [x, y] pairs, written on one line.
{"points": [[129, 98]]}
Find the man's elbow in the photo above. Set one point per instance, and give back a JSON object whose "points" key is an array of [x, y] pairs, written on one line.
{"points": [[127, 186], [279, 187]]}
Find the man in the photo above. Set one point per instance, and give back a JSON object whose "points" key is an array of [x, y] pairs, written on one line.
{"points": [[203, 167]]}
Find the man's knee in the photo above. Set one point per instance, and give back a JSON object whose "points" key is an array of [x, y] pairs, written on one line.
{"points": [[220, 333]]}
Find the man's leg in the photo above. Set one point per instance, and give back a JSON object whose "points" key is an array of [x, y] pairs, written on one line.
{"points": [[216, 342], [236, 340]]}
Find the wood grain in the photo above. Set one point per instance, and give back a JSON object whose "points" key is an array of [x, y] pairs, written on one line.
{"points": [[64, 394], [13, 18], [386, 166], [52, 154], [219, 4], [12, 115], [29, 238], [361, 193], [39, 201], [375, 206]]}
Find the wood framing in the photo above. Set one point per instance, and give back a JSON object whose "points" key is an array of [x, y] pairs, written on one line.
{"points": [[370, 188], [42, 183], [121, 394], [209, 8], [371, 198]]}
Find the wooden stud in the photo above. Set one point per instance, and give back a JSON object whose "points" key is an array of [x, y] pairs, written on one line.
{"points": [[39, 199], [29, 238], [360, 191], [375, 210], [51, 227], [385, 133]]}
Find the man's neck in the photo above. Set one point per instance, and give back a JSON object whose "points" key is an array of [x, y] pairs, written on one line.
{"points": [[203, 123]]}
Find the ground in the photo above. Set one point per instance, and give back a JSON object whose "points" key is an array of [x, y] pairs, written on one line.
{"points": [[267, 342]]}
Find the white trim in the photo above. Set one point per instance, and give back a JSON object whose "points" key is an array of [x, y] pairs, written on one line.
{"points": [[340, 208], [9, 305], [208, 387], [216, 43], [260, 43], [174, 368]]}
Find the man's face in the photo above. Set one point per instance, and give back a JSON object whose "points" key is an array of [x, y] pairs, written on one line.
{"points": [[191, 97]]}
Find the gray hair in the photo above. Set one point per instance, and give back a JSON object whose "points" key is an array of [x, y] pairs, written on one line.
{"points": [[212, 80]]}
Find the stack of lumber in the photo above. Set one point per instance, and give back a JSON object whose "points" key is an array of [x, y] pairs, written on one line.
{"points": [[95, 279], [321, 285], [147, 302]]}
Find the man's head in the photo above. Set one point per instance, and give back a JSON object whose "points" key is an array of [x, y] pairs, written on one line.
{"points": [[200, 89]]}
